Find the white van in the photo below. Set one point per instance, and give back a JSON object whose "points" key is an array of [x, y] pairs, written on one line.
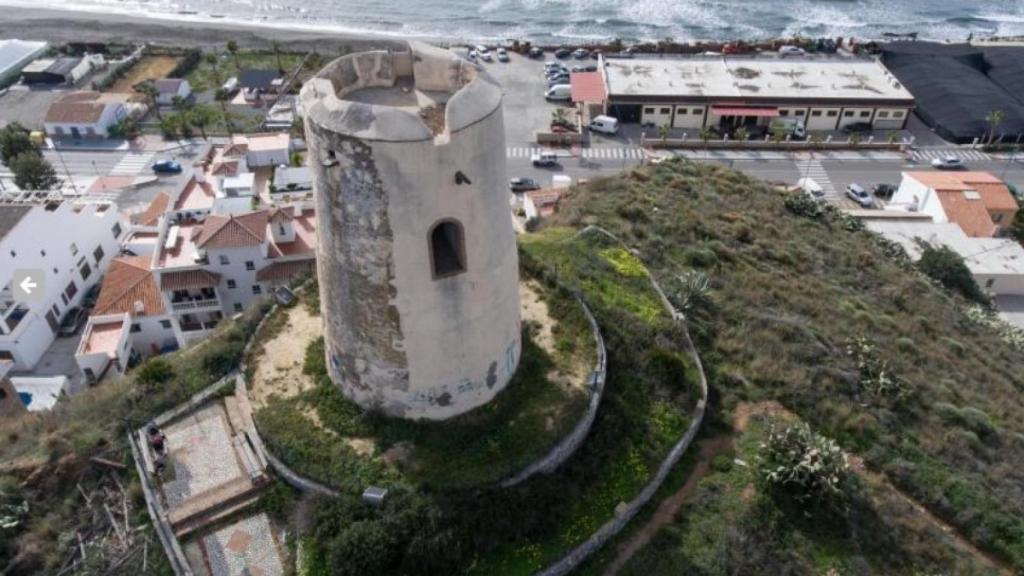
{"points": [[559, 92], [604, 124], [231, 86], [811, 188]]}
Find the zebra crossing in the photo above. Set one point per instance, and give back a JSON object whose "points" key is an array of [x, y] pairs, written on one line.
{"points": [[927, 155], [815, 171], [606, 153], [131, 164]]}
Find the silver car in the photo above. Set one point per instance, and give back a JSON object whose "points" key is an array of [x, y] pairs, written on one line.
{"points": [[858, 194]]}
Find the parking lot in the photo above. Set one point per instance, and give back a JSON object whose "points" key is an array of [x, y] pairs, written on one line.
{"points": [[27, 106]]}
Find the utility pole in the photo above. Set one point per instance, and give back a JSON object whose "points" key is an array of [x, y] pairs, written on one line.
{"points": [[67, 172]]}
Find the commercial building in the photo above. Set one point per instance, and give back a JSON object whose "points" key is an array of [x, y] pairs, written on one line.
{"points": [[15, 55], [85, 114], [60, 70], [978, 202], [64, 249], [418, 269], [716, 91], [959, 85]]}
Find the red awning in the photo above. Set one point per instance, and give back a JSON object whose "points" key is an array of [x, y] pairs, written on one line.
{"points": [[744, 111], [587, 87]]}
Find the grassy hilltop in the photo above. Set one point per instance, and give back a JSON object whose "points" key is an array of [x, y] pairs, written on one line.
{"points": [[807, 318]]}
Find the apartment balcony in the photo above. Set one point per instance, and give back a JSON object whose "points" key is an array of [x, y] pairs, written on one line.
{"points": [[195, 331], [196, 305], [12, 316]]}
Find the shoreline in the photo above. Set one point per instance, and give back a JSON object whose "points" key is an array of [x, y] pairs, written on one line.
{"points": [[62, 26]]}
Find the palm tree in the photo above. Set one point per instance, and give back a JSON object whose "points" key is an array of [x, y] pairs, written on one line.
{"points": [[892, 136], [212, 59], [223, 97], [233, 49], [705, 136], [558, 117], [201, 117], [994, 119], [149, 91], [277, 54], [741, 134], [663, 133], [855, 138], [180, 104]]}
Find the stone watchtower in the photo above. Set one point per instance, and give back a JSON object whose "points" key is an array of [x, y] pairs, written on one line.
{"points": [[416, 255]]}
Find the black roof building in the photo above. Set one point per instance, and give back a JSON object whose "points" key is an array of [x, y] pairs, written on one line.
{"points": [[258, 79], [957, 86]]}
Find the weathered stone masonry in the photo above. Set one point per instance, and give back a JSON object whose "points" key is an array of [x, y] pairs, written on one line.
{"points": [[417, 259]]}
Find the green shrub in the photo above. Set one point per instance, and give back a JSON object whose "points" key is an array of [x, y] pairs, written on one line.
{"points": [[812, 469], [154, 371], [947, 268]]}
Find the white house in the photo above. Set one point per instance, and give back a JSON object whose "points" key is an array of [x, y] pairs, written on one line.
{"points": [[85, 114], [997, 264], [271, 149], [64, 248], [978, 202], [168, 88]]}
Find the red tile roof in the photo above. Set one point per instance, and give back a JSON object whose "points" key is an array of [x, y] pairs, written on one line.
{"points": [[587, 87], [233, 231], [82, 107], [129, 280], [153, 212], [186, 279], [286, 270], [968, 198]]}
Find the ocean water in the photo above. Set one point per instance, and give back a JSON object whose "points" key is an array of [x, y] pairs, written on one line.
{"points": [[556, 21]]}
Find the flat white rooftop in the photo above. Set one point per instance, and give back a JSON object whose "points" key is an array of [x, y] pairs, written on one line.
{"points": [[754, 78], [993, 256]]}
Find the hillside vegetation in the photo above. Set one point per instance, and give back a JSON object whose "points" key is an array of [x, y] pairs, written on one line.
{"points": [[808, 309]]}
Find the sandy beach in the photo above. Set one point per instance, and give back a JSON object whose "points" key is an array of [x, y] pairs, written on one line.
{"points": [[59, 26]]}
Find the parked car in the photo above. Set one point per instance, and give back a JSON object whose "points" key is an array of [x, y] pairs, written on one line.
{"points": [[791, 51], [811, 188], [559, 92], [166, 167], [558, 80], [536, 52], [523, 184], [590, 68], [72, 322], [486, 56], [579, 69], [563, 53], [553, 64], [89, 300], [556, 72], [884, 191], [561, 129], [595, 54], [481, 49], [230, 86], [502, 55], [544, 159], [857, 127], [948, 163], [471, 55], [581, 53], [604, 124], [858, 194]]}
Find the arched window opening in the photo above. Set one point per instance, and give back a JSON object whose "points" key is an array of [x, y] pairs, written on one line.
{"points": [[447, 249]]}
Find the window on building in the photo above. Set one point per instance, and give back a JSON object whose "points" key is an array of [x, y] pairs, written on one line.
{"points": [[997, 218], [64, 299], [116, 230], [74, 249], [136, 328], [42, 253], [832, 113], [783, 112], [165, 324], [883, 114], [98, 254], [224, 260], [447, 249], [666, 110], [800, 112], [648, 110], [280, 229], [231, 284], [51, 319], [897, 114], [257, 289], [56, 310], [682, 111], [14, 254], [250, 265], [7, 355], [847, 113], [990, 282], [815, 113], [865, 113], [85, 271], [698, 111], [71, 290], [238, 306]]}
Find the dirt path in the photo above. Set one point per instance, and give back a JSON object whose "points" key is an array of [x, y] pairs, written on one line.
{"points": [[668, 508]]}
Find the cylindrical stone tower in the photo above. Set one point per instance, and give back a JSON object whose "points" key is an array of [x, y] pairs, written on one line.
{"points": [[419, 276]]}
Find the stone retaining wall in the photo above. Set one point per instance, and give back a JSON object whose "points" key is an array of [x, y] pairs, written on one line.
{"points": [[623, 515], [570, 443]]}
